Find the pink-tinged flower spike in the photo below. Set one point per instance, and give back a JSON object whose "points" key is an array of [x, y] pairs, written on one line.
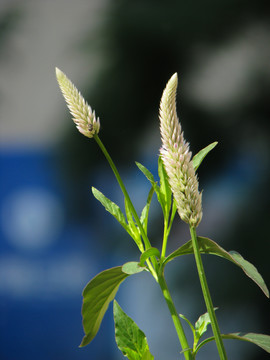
{"points": [[83, 116], [176, 157]]}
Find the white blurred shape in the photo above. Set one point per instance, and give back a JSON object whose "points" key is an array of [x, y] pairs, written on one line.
{"points": [[32, 218], [224, 76], [44, 279]]}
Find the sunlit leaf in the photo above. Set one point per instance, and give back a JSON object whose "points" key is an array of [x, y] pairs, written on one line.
{"points": [[133, 230], [198, 158], [147, 355], [132, 267], [202, 324], [150, 177], [97, 295], [200, 327], [165, 189], [189, 323], [146, 172], [110, 206], [145, 211], [129, 338], [149, 252]]}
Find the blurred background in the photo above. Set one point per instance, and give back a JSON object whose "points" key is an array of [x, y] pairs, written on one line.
{"points": [[55, 236]]}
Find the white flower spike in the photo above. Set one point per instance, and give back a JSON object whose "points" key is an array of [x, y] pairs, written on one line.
{"points": [[176, 157], [83, 116]]}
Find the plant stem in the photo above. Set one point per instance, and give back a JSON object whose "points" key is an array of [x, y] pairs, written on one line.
{"points": [[168, 221], [176, 320], [207, 296], [134, 213], [165, 240]]}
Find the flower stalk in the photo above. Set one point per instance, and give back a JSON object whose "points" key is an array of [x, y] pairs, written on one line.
{"points": [[207, 296], [87, 124], [183, 180], [175, 318], [134, 213]]}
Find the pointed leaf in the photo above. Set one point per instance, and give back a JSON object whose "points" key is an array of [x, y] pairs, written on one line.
{"points": [[146, 172], [132, 267], [208, 246], [261, 340], [198, 158], [110, 206], [129, 338], [131, 227], [149, 252], [173, 212], [129, 213], [147, 355], [250, 270], [150, 177], [202, 324], [189, 323], [145, 211], [97, 295], [165, 188]]}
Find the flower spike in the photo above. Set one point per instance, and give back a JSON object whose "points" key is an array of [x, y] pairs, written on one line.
{"points": [[176, 157], [83, 116]]}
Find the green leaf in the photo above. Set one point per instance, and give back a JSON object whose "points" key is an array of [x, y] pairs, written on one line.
{"points": [[132, 267], [131, 354], [165, 189], [146, 172], [202, 324], [111, 207], [261, 340], [198, 158], [129, 213], [173, 212], [97, 295], [200, 327], [150, 177], [145, 211], [131, 227], [149, 252], [129, 338], [250, 270], [189, 323], [207, 246], [147, 355]]}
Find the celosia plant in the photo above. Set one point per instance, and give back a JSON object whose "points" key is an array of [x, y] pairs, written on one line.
{"points": [[177, 191]]}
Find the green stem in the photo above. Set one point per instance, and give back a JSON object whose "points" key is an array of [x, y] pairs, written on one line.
{"points": [[165, 240], [207, 296], [167, 228], [134, 213], [176, 320]]}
